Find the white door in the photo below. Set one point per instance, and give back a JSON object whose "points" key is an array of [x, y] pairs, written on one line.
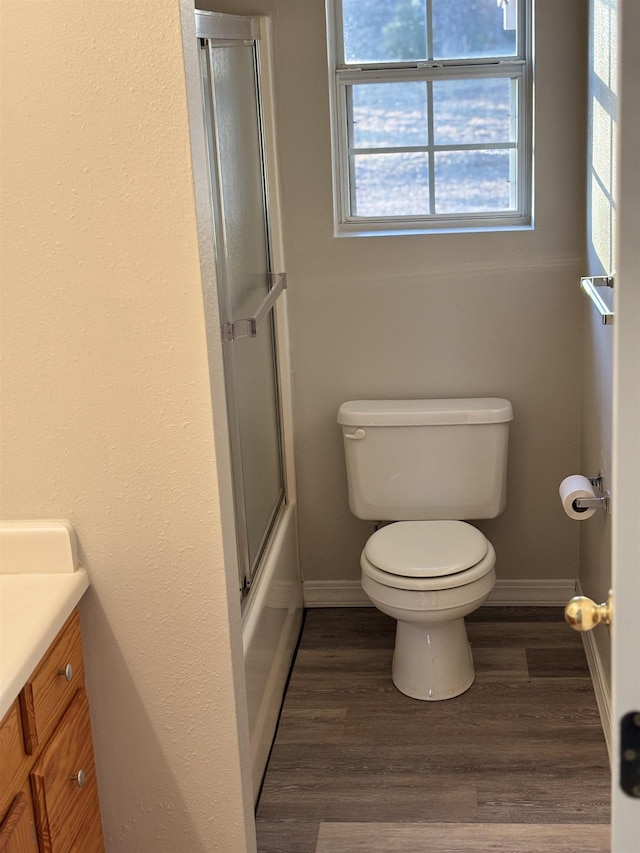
{"points": [[626, 447]]}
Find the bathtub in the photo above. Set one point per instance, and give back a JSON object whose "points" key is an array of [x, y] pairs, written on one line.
{"points": [[271, 624]]}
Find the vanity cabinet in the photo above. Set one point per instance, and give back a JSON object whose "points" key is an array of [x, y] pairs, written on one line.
{"points": [[48, 788], [18, 831], [17, 823]]}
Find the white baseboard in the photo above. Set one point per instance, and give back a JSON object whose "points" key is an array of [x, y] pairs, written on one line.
{"points": [[532, 593], [601, 686], [506, 593], [334, 594]]}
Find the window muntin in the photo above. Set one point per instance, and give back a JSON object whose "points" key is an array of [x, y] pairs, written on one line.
{"points": [[431, 128]]}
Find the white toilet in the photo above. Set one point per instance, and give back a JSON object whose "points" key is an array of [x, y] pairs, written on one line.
{"points": [[425, 464]]}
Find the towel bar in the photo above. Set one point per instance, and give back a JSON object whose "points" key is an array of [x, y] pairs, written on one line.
{"points": [[248, 327], [589, 285]]}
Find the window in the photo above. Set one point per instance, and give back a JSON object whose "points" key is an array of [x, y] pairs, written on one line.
{"points": [[431, 109]]}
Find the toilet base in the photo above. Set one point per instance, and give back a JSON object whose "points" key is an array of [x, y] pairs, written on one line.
{"points": [[432, 662]]}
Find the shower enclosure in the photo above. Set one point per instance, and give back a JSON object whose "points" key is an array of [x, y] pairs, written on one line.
{"points": [[247, 288], [251, 330]]}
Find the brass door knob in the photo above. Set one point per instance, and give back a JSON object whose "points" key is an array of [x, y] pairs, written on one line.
{"points": [[583, 614]]}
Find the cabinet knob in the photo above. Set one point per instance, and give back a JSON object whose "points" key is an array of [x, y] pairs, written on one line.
{"points": [[79, 778], [67, 672]]}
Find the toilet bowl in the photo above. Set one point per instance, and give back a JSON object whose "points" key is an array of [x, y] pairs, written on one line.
{"points": [[429, 575], [424, 465]]}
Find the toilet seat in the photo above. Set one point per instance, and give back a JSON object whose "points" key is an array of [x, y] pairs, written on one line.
{"points": [[427, 555], [426, 548]]}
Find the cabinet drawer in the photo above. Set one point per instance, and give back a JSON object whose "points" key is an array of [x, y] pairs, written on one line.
{"points": [[17, 826], [52, 686], [65, 791], [13, 762]]}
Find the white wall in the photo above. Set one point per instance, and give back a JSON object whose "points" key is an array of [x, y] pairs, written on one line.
{"points": [[435, 315], [595, 538], [106, 412]]}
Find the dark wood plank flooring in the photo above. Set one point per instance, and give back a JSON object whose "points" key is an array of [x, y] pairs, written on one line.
{"points": [[516, 764]]}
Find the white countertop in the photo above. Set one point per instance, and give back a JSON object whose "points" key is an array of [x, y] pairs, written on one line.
{"points": [[33, 608], [40, 584]]}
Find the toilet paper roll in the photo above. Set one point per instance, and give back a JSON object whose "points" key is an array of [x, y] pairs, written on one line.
{"points": [[573, 487]]}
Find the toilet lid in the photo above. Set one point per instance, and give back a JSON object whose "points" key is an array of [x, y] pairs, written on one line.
{"points": [[426, 548]]}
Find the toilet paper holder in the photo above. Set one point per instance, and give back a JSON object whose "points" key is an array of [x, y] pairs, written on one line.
{"points": [[602, 500]]}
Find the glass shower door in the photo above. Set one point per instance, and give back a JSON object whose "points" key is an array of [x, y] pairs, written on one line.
{"points": [[247, 289]]}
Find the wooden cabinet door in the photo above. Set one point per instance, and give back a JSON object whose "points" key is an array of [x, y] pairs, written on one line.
{"points": [[52, 686], [65, 791], [17, 827], [13, 761]]}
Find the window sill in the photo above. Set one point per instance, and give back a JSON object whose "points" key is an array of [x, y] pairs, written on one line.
{"points": [[342, 231]]}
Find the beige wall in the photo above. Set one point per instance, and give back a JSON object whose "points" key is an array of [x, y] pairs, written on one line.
{"points": [[106, 412], [595, 538], [435, 315]]}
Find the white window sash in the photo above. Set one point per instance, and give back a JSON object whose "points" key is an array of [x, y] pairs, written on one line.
{"points": [[515, 68]]}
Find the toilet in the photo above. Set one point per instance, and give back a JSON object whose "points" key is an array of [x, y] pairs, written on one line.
{"points": [[424, 466]]}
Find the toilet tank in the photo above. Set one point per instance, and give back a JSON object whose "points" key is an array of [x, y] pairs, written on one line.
{"points": [[426, 459]]}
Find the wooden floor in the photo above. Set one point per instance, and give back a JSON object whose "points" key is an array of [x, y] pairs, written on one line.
{"points": [[517, 764]]}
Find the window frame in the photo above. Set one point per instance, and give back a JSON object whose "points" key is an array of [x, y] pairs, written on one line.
{"points": [[343, 75]]}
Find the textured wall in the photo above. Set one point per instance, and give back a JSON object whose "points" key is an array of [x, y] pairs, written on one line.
{"points": [[106, 413], [435, 315]]}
